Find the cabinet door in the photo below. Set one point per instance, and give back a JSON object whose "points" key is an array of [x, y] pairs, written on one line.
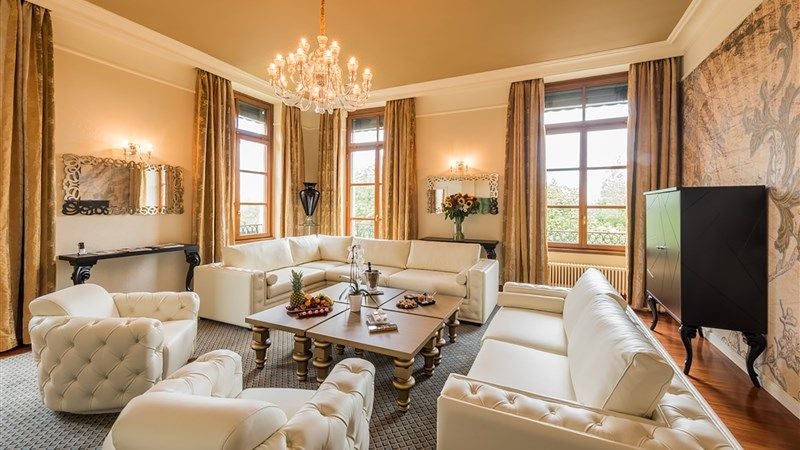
{"points": [[663, 251]]}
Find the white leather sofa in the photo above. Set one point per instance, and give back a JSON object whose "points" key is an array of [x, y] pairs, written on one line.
{"points": [[203, 406], [573, 369], [96, 351], [255, 276]]}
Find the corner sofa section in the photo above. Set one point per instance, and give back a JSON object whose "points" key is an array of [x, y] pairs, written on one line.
{"points": [[256, 276]]}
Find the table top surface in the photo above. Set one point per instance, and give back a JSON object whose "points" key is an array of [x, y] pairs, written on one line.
{"points": [[444, 307], [276, 318], [125, 252], [350, 329]]}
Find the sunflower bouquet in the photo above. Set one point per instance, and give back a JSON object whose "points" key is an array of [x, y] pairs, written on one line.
{"points": [[457, 207]]}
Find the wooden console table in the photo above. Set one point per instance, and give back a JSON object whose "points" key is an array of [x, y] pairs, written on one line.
{"points": [[82, 264], [489, 245]]}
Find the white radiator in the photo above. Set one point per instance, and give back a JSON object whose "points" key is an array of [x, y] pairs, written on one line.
{"points": [[566, 274]]}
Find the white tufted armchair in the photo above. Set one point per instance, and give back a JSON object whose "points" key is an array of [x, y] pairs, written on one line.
{"points": [[203, 406], [96, 351]]}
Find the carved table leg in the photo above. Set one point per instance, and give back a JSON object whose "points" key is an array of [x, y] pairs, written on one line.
{"points": [[452, 325], [322, 359], [339, 349], [260, 344], [439, 344], [688, 333], [403, 381], [651, 302], [301, 355], [430, 352], [80, 273], [193, 258], [358, 352], [757, 343], [491, 251]]}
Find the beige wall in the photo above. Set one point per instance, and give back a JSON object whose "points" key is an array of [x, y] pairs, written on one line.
{"points": [[98, 107]]}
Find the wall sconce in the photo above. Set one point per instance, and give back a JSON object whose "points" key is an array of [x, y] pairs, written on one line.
{"points": [[459, 168], [133, 150]]}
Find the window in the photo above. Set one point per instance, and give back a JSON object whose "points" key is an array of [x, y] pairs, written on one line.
{"points": [[253, 168], [364, 170], [586, 155]]}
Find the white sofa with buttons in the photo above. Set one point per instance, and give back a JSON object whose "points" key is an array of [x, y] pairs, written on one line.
{"points": [[256, 276], [573, 369], [96, 351], [203, 406]]}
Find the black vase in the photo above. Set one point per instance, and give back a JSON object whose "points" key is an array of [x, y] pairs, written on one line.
{"points": [[309, 198]]}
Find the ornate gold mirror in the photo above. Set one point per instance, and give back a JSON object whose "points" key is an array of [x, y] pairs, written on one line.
{"points": [[483, 185], [95, 185]]}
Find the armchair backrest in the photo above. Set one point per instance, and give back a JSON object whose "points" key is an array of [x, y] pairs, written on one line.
{"points": [[163, 306], [82, 300]]}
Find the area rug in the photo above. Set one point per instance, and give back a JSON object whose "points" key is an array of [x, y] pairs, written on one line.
{"points": [[26, 423]]}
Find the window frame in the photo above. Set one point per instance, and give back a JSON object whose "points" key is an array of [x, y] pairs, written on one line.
{"points": [[583, 128], [265, 139], [378, 147]]}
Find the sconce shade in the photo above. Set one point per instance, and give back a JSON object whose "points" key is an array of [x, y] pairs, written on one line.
{"points": [[309, 198]]}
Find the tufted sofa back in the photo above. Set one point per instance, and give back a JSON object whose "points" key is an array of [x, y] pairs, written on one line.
{"points": [[82, 300], [163, 306]]}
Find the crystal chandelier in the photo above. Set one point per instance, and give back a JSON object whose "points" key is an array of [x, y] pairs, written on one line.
{"points": [[306, 79]]}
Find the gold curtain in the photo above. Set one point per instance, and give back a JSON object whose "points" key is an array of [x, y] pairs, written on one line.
{"points": [[399, 199], [27, 190], [525, 198], [215, 136], [654, 153], [332, 163], [293, 171]]}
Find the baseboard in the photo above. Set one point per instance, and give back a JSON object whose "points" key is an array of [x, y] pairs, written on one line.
{"points": [[767, 384]]}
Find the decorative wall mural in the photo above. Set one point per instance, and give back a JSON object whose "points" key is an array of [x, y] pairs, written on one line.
{"points": [[741, 125]]}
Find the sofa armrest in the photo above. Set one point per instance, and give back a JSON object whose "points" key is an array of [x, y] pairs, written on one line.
{"points": [[483, 280], [535, 302], [94, 365], [229, 294], [214, 374], [337, 416], [163, 306], [536, 289]]}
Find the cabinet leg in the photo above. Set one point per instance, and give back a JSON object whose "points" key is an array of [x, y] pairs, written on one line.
{"points": [[651, 302], [757, 343], [688, 333]]}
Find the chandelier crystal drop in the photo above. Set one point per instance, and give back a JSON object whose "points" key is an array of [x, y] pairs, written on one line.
{"points": [[307, 78]]}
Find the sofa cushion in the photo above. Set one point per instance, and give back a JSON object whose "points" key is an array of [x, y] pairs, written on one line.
{"points": [[288, 400], [590, 284], [284, 282], [529, 328], [323, 264], [342, 273], [613, 365], [264, 255], [304, 249], [384, 252], [428, 281], [178, 344], [442, 256], [334, 248], [523, 368]]}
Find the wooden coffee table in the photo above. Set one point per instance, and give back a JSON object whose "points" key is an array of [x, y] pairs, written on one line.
{"points": [[335, 292], [415, 334]]}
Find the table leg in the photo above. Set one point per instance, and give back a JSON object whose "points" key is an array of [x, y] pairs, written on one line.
{"points": [[80, 273], [322, 359], [403, 381], [301, 355], [358, 352], [430, 352], [339, 349], [439, 344], [260, 344], [452, 324], [193, 259]]}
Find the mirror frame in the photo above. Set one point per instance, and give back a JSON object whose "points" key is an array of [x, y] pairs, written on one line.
{"points": [[492, 178], [72, 192]]}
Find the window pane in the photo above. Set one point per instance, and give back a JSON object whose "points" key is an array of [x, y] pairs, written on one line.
{"points": [[362, 201], [365, 129], [363, 228], [252, 188], [563, 150], [563, 187], [561, 107], [562, 225], [251, 118], [606, 102], [362, 166], [606, 226], [606, 187], [252, 156], [252, 219], [606, 147]]}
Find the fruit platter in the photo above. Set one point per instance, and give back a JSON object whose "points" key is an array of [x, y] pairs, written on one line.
{"points": [[306, 305]]}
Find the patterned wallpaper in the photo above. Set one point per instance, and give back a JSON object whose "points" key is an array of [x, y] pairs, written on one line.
{"points": [[741, 125]]}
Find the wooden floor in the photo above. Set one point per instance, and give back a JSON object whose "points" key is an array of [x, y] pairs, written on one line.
{"points": [[754, 417]]}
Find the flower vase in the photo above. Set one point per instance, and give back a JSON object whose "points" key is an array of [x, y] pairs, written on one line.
{"points": [[355, 303], [458, 233]]}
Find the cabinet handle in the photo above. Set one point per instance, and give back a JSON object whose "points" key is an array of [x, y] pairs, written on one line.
{"points": [[661, 247]]}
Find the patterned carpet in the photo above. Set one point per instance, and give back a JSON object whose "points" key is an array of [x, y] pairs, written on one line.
{"points": [[26, 423]]}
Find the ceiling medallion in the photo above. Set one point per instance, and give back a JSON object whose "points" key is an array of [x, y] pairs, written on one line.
{"points": [[306, 79]]}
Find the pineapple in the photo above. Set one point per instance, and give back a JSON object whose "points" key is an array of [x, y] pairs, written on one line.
{"points": [[298, 296]]}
